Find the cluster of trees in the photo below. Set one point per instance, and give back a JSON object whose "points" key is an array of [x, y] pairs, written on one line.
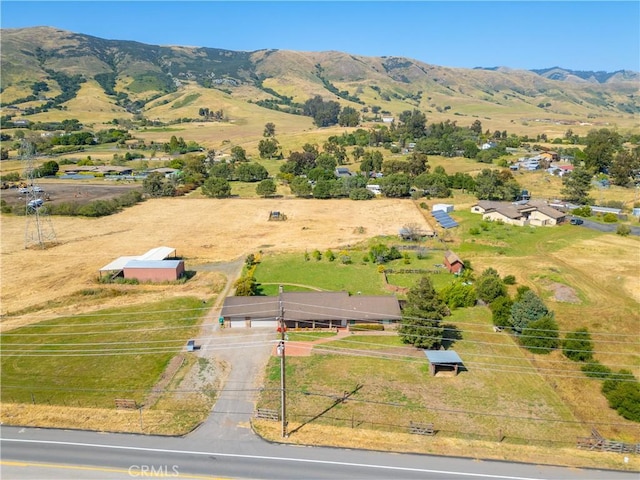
{"points": [[97, 208], [178, 145], [211, 115], [526, 315]]}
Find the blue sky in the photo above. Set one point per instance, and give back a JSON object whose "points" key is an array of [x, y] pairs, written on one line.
{"points": [[580, 35]]}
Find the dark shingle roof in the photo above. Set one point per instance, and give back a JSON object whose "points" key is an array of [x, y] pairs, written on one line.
{"points": [[315, 306]]}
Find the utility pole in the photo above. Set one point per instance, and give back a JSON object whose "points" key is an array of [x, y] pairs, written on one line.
{"points": [[281, 353]]}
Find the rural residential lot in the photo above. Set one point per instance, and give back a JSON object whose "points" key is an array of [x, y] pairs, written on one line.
{"points": [[201, 230]]}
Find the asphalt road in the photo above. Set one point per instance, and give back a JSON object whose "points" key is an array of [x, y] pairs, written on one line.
{"points": [[51, 454], [605, 227]]}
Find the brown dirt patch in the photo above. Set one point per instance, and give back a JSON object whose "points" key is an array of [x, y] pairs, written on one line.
{"points": [[57, 192], [202, 231], [564, 293]]}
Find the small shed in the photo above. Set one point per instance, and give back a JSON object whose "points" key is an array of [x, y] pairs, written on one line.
{"points": [[443, 207], [453, 262], [444, 360]]}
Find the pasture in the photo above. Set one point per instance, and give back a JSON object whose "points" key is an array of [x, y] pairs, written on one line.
{"points": [[41, 283]]}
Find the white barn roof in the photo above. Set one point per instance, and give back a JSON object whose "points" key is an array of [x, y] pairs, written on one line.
{"points": [[158, 253]]}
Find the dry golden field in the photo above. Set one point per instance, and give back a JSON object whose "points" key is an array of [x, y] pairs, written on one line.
{"points": [[201, 230]]}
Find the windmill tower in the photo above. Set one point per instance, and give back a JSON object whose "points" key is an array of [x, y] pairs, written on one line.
{"points": [[39, 232]]}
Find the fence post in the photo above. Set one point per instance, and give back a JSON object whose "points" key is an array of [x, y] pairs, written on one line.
{"points": [[33, 398]]}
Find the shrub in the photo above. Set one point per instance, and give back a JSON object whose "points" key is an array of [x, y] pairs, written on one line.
{"points": [[361, 194], [501, 311], [489, 286], [595, 370], [577, 346], [474, 231], [541, 336], [366, 326], [317, 254], [610, 217], [623, 230], [4, 207], [458, 295], [509, 280], [623, 394], [582, 211], [330, 255]]}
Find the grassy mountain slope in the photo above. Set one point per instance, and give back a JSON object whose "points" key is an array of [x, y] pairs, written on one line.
{"points": [[122, 78]]}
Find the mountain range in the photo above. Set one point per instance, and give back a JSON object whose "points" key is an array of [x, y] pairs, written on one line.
{"points": [[45, 68]]}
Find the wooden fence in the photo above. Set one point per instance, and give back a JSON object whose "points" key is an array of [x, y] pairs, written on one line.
{"points": [[601, 444], [125, 403], [421, 428], [267, 414]]}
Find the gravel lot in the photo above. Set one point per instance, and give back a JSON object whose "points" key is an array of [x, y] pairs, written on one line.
{"points": [[56, 192]]}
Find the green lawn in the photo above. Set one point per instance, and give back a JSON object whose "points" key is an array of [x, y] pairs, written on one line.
{"points": [[89, 360], [294, 272]]}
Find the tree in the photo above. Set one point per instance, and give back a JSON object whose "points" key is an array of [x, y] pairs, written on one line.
{"points": [[349, 117], [269, 130], [476, 127], [413, 123], [469, 149], [266, 187], [576, 186], [246, 286], [493, 185], [222, 169], [490, 286], [156, 185], [577, 346], [422, 315], [541, 335], [216, 187], [238, 154], [300, 187], [48, 169], [501, 311], [268, 147], [324, 113], [601, 145], [323, 188], [527, 309], [624, 166], [458, 295], [395, 185], [251, 172]]}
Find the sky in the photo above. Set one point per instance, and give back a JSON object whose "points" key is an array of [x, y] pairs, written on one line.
{"points": [[577, 35]]}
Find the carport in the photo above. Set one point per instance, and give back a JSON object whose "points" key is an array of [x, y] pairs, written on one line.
{"points": [[443, 360]]}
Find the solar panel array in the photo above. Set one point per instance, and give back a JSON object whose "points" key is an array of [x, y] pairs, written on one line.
{"points": [[444, 219]]}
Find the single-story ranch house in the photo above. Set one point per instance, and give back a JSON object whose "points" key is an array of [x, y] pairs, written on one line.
{"points": [[310, 310], [535, 213]]}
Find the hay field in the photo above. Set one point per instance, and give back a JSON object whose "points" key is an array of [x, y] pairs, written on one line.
{"points": [[202, 231]]}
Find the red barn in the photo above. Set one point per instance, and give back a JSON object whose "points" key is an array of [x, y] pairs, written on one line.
{"points": [[453, 262], [154, 270]]}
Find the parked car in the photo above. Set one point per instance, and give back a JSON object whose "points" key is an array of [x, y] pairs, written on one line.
{"points": [[576, 221], [35, 203], [23, 190]]}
